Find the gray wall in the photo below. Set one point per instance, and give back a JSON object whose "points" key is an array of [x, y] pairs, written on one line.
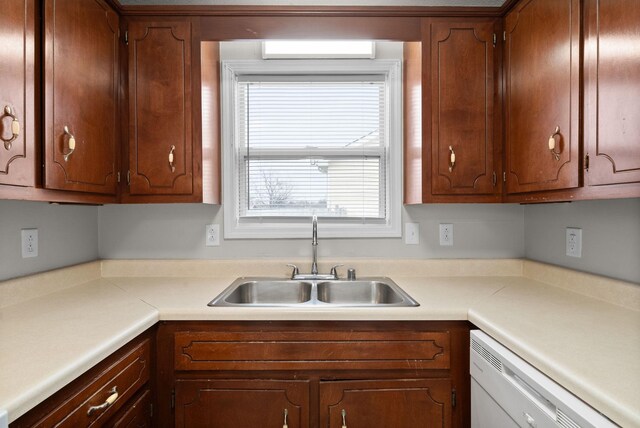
{"points": [[178, 231], [67, 235], [610, 236]]}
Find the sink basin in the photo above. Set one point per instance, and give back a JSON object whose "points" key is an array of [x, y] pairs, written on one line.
{"points": [[257, 292]]}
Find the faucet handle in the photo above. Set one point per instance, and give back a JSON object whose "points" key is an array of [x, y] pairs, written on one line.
{"points": [[295, 270], [334, 270]]}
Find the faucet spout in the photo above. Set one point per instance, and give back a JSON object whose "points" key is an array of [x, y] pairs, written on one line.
{"points": [[314, 246]]}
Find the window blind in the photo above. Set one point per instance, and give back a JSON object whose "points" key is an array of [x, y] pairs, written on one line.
{"points": [[311, 145]]}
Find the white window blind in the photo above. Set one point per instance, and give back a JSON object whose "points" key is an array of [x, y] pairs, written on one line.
{"points": [[311, 145]]}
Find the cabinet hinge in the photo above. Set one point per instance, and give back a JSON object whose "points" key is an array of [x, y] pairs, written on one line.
{"points": [[504, 176], [453, 398], [504, 36], [129, 177], [173, 398], [118, 177], [126, 37], [494, 179], [586, 162], [495, 40]]}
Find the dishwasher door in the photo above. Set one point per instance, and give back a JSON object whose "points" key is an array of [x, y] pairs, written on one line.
{"points": [[508, 392]]}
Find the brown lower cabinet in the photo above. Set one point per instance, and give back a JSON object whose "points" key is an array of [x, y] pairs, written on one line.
{"points": [[313, 374]]}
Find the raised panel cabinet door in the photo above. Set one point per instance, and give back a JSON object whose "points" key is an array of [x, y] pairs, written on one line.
{"points": [[160, 111], [542, 60], [247, 403], [412, 403], [81, 95], [17, 144], [612, 91], [462, 94]]}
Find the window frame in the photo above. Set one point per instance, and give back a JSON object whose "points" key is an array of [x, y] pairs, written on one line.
{"points": [[289, 227]]}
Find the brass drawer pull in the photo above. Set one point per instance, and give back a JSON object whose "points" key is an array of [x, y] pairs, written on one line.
{"points": [[15, 127], [172, 164], [344, 418], [452, 159], [71, 143], [552, 144], [286, 424], [104, 406]]}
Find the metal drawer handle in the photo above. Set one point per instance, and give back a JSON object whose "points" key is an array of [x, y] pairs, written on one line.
{"points": [[71, 143], [552, 144], [172, 165], [286, 413], [344, 418], [452, 159], [104, 406], [15, 127]]}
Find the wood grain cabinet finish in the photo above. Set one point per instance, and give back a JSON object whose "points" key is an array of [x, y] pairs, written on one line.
{"points": [[542, 67], [81, 83], [161, 156], [612, 92], [463, 86], [135, 415], [386, 403], [247, 403], [17, 109]]}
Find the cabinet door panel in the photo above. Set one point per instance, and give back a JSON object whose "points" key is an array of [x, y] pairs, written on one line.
{"points": [[81, 86], [542, 59], [462, 107], [241, 403], [612, 91], [17, 157], [386, 403], [160, 138]]}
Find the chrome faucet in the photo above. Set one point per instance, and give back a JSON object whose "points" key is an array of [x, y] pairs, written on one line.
{"points": [[314, 275]]}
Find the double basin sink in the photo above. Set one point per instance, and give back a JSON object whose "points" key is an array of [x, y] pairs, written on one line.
{"points": [[261, 292]]}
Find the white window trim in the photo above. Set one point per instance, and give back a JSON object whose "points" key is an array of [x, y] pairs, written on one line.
{"points": [[269, 228]]}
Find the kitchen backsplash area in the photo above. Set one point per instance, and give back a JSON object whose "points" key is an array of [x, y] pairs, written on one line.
{"points": [[70, 234]]}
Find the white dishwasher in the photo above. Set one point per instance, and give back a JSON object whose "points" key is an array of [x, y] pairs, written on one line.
{"points": [[506, 392]]}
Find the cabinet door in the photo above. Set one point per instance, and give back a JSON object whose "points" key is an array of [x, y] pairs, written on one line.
{"points": [[134, 415], [612, 91], [81, 92], [241, 403], [542, 59], [17, 157], [386, 403], [462, 112], [160, 110]]}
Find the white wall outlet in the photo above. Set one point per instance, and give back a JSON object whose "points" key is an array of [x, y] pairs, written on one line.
{"points": [[412, 233], [446, 234], [212, 237], [574, 242], [29, 243]]}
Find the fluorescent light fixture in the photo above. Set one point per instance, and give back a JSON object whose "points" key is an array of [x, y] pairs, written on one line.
{"points": [[272, 49]]}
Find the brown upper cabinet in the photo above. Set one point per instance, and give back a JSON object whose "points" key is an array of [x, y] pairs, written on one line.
{"points": [[17, 109], [542, 67], [81, 83], [612, 92], [456, 154]]}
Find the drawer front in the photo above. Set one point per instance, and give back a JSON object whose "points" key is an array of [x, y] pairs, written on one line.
{"points": [[125, 376], [136, 415], [346, 350]]}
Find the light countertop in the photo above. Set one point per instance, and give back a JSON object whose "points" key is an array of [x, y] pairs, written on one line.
{"points": [[589, 346]]}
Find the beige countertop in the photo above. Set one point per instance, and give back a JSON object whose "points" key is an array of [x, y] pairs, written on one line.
{"points": [[54, 331]]}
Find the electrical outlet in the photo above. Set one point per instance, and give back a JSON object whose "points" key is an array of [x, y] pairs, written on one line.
{"points": [[29, 243], [212, 237], [412, 233], [446, 234], [574, 242]]}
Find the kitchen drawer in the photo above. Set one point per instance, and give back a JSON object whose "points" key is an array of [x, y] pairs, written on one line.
{"points": [[339, 350], [137, 414], [125, 375]]}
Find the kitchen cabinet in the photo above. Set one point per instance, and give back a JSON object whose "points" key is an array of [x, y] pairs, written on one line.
{"points": [[107, 391], [81, 82], [17, 108], [542, 93], [381, 373], [612, 91], [386, 403], [453, 143]]}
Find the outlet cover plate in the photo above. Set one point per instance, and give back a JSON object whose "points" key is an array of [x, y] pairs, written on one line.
{"points": [[446, 234], [212, 237], [29, 243], [412, 233], [574, 242]]}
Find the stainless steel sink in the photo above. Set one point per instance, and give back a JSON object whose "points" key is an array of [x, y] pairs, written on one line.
{"points": [[369, 292]]}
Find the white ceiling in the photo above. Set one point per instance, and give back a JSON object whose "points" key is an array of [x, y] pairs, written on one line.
{"points": [[455, 3]]}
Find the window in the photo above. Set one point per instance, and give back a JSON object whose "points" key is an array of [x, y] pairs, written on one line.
{"points": [[304, 138]]}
